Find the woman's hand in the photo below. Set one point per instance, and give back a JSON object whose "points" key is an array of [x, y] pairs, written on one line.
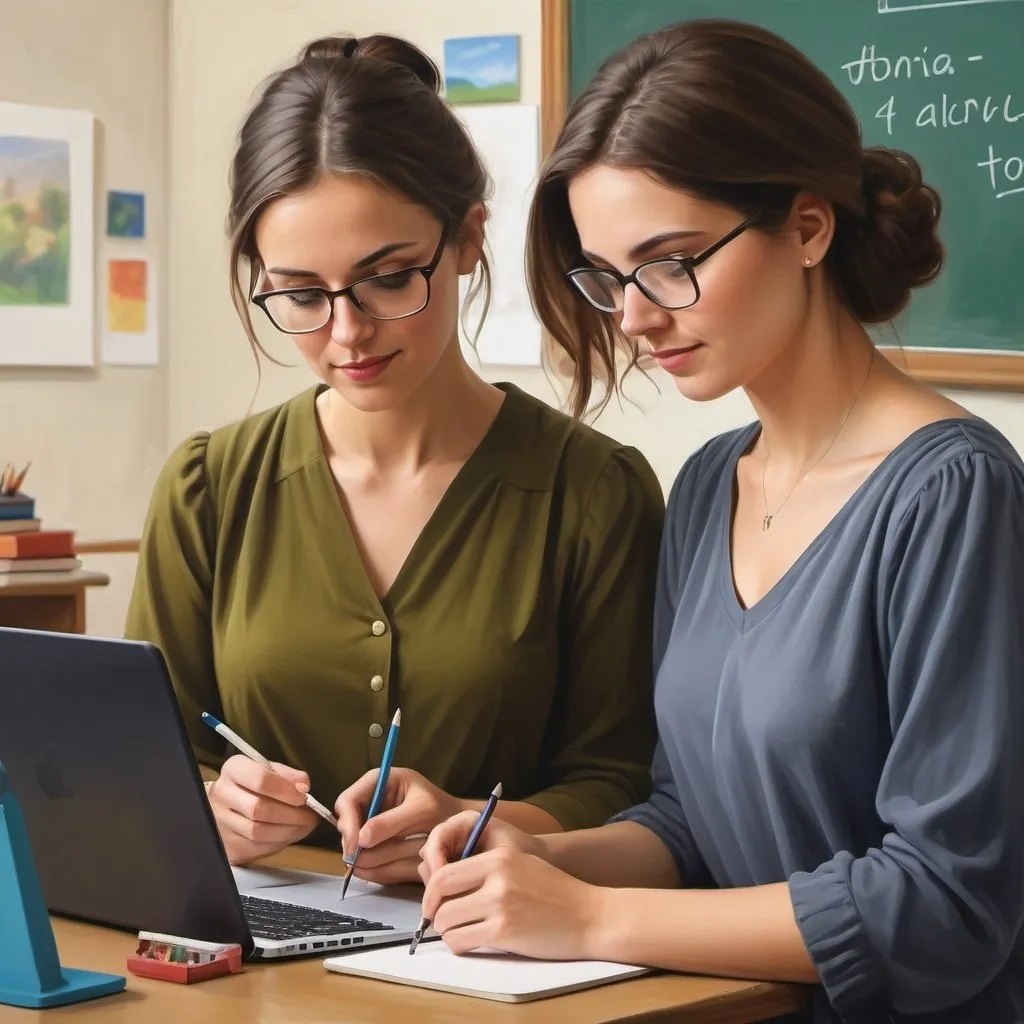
{"points": [[391, 841], [515, 902], [447, 841], [257, 811]]}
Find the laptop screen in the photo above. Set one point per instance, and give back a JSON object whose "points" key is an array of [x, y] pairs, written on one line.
{"points": [[97, 755]]}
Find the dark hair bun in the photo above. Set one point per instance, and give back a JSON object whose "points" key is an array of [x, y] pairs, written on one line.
{"points": [[898, 248], [377, 47], [329, 48]]}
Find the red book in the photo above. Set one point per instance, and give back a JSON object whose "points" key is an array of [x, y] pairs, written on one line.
{"points": [[40, 544]]}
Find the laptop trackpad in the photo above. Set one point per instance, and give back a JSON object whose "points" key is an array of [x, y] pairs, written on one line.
{"points": [[396, 905]]}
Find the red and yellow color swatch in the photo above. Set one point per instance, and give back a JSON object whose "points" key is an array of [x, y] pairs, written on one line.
{"points": [[127, 290]]}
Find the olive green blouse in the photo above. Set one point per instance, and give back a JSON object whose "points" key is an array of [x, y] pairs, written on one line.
{"points": [[516, 638]]}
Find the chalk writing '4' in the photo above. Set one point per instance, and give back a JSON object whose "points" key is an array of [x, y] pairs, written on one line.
{"points": [[887, 111]]}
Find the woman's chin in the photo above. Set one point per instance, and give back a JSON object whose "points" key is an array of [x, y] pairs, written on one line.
{"points": [[702, 387]]}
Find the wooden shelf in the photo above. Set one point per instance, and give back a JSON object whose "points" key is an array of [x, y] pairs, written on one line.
{"points": [[106, 547]]}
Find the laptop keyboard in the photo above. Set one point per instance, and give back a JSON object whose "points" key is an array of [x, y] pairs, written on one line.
{"points": [[269, 919]]}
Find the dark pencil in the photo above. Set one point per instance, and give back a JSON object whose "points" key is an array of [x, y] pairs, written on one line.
{"points": [[467, 851]]}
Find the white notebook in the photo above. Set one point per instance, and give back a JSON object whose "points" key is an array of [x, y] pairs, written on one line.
{"points": [[485, 974]]}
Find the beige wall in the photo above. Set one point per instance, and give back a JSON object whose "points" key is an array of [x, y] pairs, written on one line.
{"points": [[109, 55], [95, 437]]}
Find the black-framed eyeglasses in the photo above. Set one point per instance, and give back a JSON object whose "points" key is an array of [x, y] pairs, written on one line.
{"points": [[391, 296], [668, 281]]}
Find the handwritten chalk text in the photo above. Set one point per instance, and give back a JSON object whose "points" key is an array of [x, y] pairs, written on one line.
{"points": [[953, 114], [946, 110], [1005, 173], [880, 68]]}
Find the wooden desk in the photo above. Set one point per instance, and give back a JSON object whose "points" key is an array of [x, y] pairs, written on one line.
{"points": [[45, 600], [301, 990]]}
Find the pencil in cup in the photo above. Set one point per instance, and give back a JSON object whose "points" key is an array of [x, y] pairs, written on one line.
{"points": [[467, 851], [254, 755], [378, 790]]}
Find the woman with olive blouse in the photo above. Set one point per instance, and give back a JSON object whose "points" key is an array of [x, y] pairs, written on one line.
{"points": [[403, 534]]}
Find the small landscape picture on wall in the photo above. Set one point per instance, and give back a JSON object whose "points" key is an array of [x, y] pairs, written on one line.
{"points": [[35, 232], [482, 69]]}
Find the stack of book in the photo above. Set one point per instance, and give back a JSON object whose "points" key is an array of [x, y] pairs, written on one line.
{"points": [[24, 545]]}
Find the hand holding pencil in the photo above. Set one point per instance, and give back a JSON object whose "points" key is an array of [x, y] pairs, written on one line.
{"points": [[467, 851], [389, 842], [507, 896], [260, 806], [254, 755]]}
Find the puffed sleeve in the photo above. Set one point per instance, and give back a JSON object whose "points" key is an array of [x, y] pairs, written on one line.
{"points": [[171, 598], [603, 735], [925, 921]]}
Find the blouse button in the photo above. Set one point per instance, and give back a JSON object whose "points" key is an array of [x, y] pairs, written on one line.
{"points": [[379, 627], [377, 683], [376, 731]]}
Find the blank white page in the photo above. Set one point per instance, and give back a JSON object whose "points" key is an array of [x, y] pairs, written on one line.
{"points": [[483, 973]]}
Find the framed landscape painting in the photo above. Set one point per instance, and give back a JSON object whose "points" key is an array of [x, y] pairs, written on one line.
{"points": [[47, 215], [481, 69]]}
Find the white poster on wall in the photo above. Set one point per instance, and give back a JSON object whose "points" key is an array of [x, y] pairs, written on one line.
{"points": [[129, 320], [47, 209], [507, 138]]}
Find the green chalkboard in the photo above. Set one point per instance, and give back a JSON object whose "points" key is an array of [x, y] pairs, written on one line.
{"points": [[942, 80]]}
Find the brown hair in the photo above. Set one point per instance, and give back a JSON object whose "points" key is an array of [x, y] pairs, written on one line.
{"points": [[368, 107], [735, 115]]}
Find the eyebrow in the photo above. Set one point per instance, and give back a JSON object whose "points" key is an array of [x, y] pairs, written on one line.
{"points": [[638, 252], [366, 261]]}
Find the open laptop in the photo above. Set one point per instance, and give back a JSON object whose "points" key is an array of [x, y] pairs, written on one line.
{"points": [[120, 827]]}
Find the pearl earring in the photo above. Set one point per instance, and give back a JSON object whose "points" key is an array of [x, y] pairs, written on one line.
{"points": [[807, 261]]}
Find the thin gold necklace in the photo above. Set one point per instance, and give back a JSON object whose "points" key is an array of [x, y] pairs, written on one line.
{"points": [[766, 522]]}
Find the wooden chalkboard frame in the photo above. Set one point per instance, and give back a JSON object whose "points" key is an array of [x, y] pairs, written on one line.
{"points": [[995, 371]]}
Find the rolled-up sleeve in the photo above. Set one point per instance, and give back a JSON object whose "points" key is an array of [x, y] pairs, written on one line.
{"points": [[926, 921]]}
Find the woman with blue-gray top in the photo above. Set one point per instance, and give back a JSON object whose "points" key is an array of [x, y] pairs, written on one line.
{"points": [[838, 627]]}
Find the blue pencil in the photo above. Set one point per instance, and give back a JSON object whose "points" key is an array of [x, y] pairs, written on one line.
{"points": [[378, 790], [467, 851]]}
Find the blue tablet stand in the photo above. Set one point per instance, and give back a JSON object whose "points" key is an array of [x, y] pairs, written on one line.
{"points": [[30, 970]]}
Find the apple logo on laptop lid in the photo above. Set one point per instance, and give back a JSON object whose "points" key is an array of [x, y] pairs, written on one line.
{"points": [[51, 778]]}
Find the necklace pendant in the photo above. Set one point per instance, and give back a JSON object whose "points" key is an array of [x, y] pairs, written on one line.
{"points": [[766, 522]]}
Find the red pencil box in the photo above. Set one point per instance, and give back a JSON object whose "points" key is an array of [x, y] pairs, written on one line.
{"points": [[172, 958]]}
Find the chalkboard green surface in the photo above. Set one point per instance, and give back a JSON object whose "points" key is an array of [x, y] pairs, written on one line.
{"points": [[944, 81]]}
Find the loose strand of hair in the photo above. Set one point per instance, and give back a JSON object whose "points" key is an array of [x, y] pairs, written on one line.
{"points": [[240, 299], [480, 287]]}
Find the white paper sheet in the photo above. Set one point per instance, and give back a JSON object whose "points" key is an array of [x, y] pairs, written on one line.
{"points": [[507, 138], [485, 974]]}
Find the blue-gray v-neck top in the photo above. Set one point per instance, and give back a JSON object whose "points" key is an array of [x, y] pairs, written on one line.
{"points": [[859, 732]]}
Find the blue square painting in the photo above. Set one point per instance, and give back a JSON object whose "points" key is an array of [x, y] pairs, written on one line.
{"points": [[482, 69], [126, 215]]}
